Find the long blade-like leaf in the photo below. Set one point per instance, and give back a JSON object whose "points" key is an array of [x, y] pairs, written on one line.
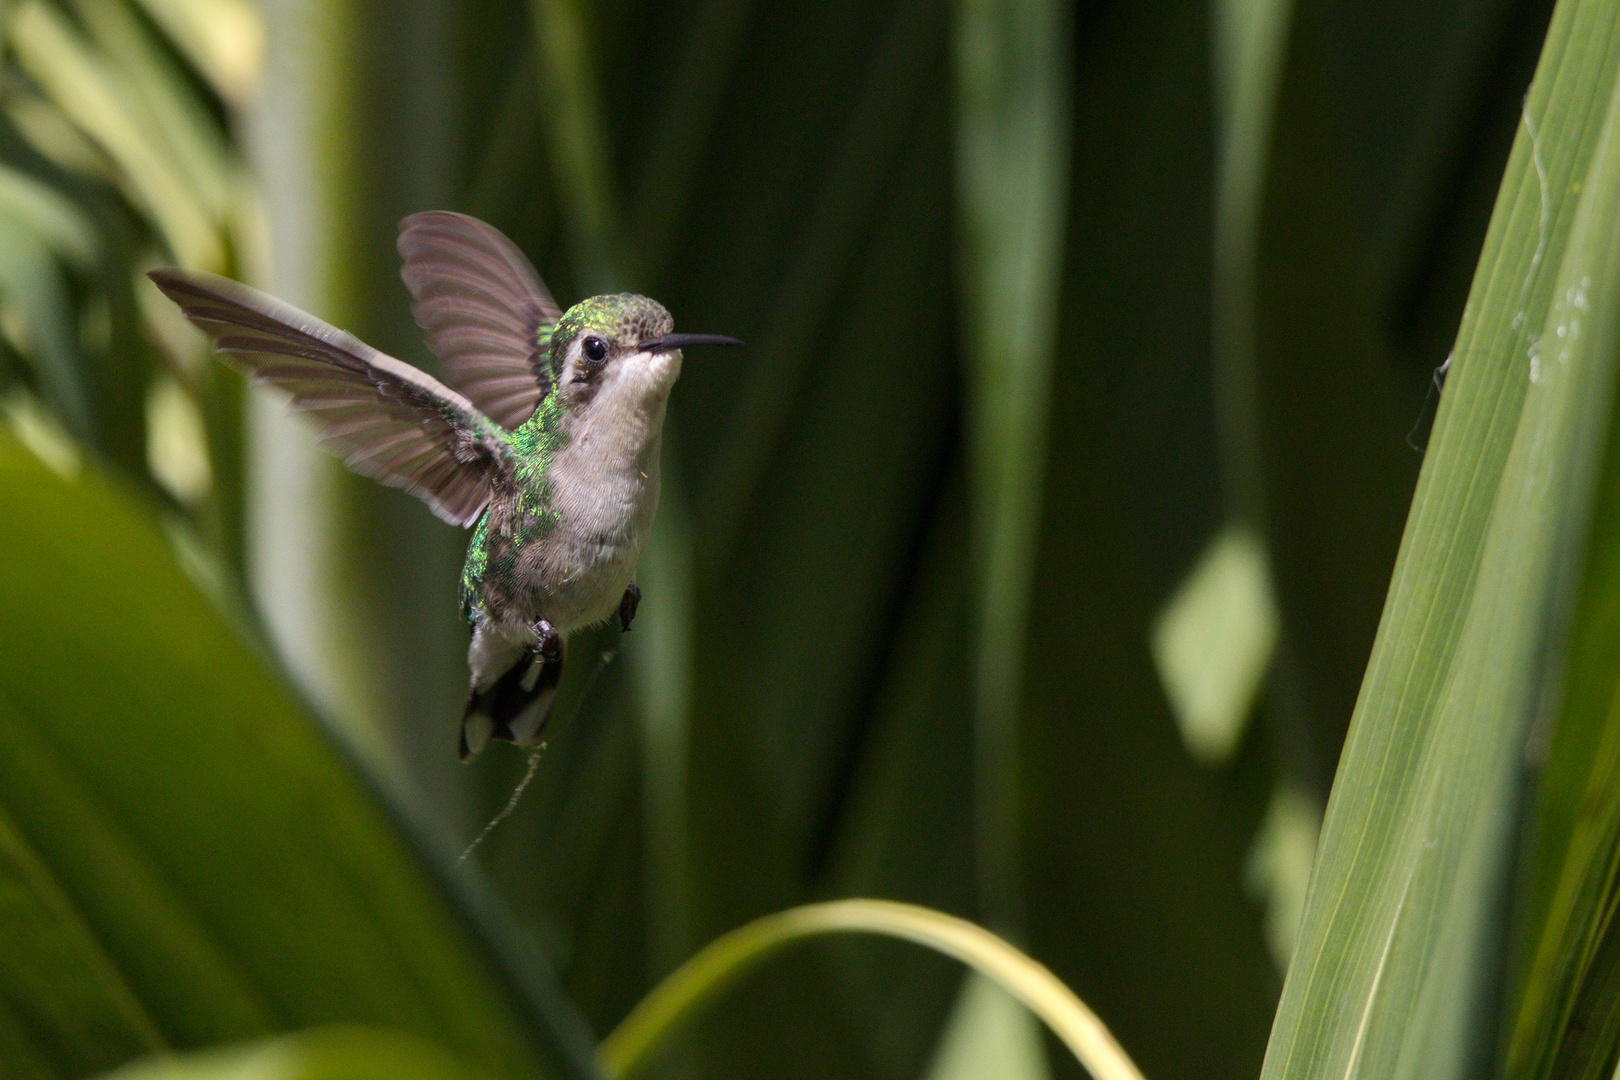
{"points": [[1394, 975]]}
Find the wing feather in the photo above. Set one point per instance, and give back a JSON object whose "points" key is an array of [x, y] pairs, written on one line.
{"points": [[485, 310], [383, 417]]}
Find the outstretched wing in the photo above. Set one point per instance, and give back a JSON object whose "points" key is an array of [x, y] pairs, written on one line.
{"points": [[487, 314], [386, 419]]}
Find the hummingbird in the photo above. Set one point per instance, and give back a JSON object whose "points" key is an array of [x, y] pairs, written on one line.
{"points": [[545, 441]]}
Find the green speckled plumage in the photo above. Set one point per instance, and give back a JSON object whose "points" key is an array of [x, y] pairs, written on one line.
{"points": [[492, 556]]}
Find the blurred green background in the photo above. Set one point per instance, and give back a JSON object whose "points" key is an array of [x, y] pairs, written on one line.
{"points": [[1025, 565]]}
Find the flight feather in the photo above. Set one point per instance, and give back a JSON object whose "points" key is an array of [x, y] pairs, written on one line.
{"points": [[383, 417], [486, 313]]}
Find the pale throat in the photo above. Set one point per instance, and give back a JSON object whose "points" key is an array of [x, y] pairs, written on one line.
{"points": [[606, 475]]}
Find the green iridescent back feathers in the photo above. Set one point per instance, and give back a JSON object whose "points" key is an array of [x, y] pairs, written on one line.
{"points": [[532, 447]]}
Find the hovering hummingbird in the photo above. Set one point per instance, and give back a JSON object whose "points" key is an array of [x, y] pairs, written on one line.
{"points": [[548, 442]]}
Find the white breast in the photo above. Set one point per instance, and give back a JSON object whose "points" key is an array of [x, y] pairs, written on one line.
{"points": [[605, 486]]}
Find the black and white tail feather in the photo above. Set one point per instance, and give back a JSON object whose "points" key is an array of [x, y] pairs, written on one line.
{"points": [[515, 707]]}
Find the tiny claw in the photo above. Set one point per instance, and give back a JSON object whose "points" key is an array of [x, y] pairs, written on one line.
{"points": [[548, 643], [627, 606]]}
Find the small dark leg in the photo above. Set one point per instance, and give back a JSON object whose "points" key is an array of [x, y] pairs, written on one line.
{"points": [[627, 606], [548, 643]]}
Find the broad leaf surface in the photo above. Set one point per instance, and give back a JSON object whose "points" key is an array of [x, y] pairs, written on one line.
{"points": [[184, 857]]}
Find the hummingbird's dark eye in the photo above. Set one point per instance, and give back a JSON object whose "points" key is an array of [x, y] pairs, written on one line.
{"points": [[595, 349]]}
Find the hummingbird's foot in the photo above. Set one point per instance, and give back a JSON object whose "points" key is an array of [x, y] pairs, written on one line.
{"points": [[627, 606], [548, 643]]}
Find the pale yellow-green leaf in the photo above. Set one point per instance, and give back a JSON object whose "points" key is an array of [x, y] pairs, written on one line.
{"points": [[224, 39], [59, 223], [1213, 641], [44, 127], [40, 434], [176, 441], [92, 95], [699, 981], [1278, 870], [989, 1036], [174, 116]]}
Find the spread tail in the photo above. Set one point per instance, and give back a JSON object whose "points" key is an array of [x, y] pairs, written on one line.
{"points": [[515, 707]]}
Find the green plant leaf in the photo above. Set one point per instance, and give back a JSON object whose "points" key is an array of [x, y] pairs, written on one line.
{"points": [[1564, 986], [1013, 77], [101, 101], [34, 297], [1131, 847], [1356, 184], [830, 256], [1563, 991], [722, 962], [223, 39], [169, 113], [1395, 972], [186, 858], [329, 1053]]}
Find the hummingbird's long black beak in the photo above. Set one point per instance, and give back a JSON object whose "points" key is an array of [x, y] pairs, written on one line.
{"points": [[671, 342]]}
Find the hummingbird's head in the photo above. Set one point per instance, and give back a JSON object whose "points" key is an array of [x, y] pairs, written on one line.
{"points": [[619, 347]]}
